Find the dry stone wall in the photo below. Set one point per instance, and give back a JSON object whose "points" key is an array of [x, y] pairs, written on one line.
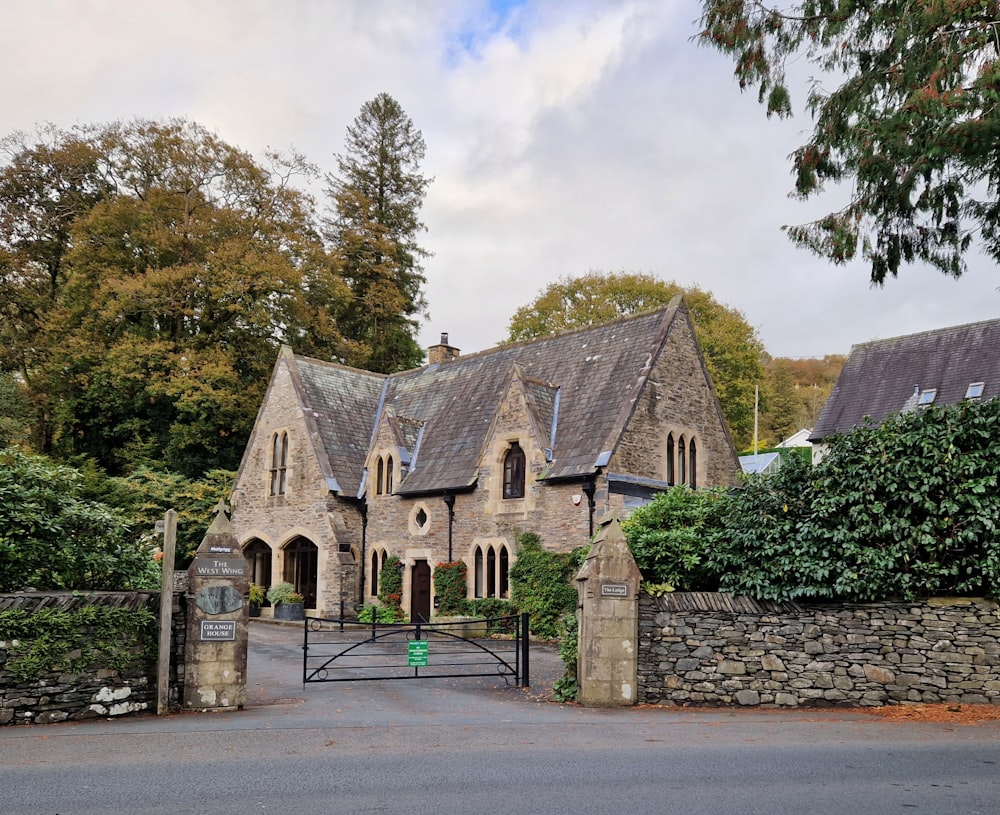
{"points": [[715, 649], [95, 691]]}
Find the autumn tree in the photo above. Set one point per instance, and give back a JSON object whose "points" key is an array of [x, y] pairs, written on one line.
{"points": [[904, 112], [733, 352], [152, 304], [377, 193], [45, 184]]}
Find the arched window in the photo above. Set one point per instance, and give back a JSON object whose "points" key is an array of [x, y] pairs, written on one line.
{"points": [[513, 472], [681, 469], [388, 475], [693, 465], [491, 572], [379, 475], [503, 584], [374, 591], [478, 558], [670, 459], [279, 462]]}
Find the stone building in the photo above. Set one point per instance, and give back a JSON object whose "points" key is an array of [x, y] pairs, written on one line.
{"points": [[451, 461]]}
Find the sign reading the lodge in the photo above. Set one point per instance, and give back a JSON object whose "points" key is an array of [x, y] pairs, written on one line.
{"points": [[614, 590]]}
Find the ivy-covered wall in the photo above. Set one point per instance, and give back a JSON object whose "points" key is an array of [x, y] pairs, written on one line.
{"points": [[66, 656], [719, 649]]}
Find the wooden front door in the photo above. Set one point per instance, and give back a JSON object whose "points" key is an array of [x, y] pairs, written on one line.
{"points": [[420, 592]]}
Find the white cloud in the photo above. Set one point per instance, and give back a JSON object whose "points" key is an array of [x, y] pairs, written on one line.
{"points": [[563, 136]]}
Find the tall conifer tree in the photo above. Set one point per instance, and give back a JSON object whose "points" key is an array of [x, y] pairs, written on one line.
{"points": [[377, 194]]}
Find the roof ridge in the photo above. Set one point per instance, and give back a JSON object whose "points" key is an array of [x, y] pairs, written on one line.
{"points": [[507, 346], [930, 332]]}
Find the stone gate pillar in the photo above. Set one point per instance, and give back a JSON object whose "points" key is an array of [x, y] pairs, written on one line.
{"points": [[608, 583], [215, 667]]}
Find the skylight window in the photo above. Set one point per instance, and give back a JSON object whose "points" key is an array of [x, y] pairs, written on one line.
{"points": [[927, 396], [975, 390]]}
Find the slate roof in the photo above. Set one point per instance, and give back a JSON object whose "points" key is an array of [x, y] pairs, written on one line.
{"points": [[883, 376], [581, 385], [339, 404]]}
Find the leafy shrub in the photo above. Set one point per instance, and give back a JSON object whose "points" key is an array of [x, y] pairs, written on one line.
{"points": [[369, 613], [51, 537], [147, 493], [540, 584], [497, 611], [906, 509], [450, 587], [283, 593], [391, 587], [567, 687], [671, 536], [256, 595]]}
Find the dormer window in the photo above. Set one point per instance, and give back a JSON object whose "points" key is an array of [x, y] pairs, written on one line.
{"points": [[513, 472], [975, 390], [927, 396]]}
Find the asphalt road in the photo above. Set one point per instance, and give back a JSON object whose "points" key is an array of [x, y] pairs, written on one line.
{"points": [[477, 746]]}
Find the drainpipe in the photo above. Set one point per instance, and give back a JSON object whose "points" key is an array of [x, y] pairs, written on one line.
{"points": [[589, 489], [363, 507], [449, 501]]}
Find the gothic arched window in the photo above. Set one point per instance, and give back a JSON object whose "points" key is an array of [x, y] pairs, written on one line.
{"points": [[513, 472]]}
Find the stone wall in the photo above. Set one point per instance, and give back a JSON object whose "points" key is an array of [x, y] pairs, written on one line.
{"points": [[95, 691], [715, 649]]}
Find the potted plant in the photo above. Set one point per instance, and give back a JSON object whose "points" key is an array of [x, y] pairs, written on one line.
{"points": [[256, 599], [288, 603]]}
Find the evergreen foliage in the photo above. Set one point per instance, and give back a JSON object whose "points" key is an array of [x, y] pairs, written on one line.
{"points": [[907, 509], [450, 587], [904, 510], [567, 687], [52, 537], [377, 194], [668, 538], [904, 110], [391, 588], [540, 585]]}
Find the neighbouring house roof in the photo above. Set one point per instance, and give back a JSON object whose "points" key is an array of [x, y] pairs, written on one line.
{"points": [[800, 439], [883, 377], [580, 389]]}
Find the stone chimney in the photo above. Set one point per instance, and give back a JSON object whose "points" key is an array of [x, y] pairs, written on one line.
{"points": [[442, 352]]}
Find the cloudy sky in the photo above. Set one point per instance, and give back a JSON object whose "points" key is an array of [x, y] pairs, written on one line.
{"points": [[563, 135]]}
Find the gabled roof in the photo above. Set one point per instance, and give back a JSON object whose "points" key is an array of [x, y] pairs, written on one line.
{"points": [[883, 377], [340, 405], [580, 390]]}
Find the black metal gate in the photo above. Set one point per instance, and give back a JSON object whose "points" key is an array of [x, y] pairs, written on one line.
{"points": [[339, 650]]}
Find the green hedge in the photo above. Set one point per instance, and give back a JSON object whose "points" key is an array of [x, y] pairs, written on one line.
{"points": [[904, 510]]}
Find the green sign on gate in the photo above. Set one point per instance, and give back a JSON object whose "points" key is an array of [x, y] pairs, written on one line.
{"points": [[417, 653]]}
